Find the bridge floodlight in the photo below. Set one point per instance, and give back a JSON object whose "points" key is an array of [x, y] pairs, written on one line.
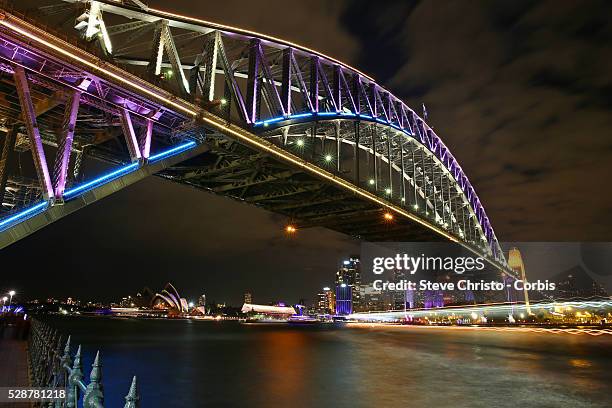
{"points": [[223, 101], [388, 190], [300, 143], [328, 158], [372, 182], [388, 216], [290, 229]]}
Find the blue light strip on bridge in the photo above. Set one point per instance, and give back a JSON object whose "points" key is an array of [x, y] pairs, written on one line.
{"points": [[23, 215], [171, 152], [68, 194], [73, 192], [331, 115]]}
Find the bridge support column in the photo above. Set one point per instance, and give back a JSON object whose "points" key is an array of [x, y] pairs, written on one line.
{"points": [[314, 83], [210, 70], [390, 186], [130, 135], [338, 141], [64, 146], [433, 187], [253, 82], [403, 173], [144, 144], [286, 84], [374, 157], [29, 116], [7, 159], [356, 153], [414, 180]]}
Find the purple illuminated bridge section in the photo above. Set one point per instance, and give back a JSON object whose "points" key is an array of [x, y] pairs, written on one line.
{"points": [[301, 133]]}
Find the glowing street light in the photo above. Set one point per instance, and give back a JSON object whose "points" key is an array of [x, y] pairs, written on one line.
{"points": [[290, 229], [300, 143], [372, 182], [4, 299], [388, 190], [328, 158], [11, 294], [223, 101], [388, 216]]}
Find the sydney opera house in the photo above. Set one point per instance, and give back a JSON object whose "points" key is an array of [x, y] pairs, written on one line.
{"points": [[170, 300]]}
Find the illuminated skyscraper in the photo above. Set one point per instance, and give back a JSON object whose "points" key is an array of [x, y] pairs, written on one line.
{"points": [[344, 299], [248, 298], [348, 281], [326, 301]]}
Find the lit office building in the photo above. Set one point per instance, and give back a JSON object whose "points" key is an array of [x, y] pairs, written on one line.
{"points": [[248, 298], [325, 303], [344, 299], [348, 281]]}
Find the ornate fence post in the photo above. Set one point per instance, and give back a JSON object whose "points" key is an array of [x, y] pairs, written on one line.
{"points": [[53, 367], [94, 395], [72, 392], [132, 400]]}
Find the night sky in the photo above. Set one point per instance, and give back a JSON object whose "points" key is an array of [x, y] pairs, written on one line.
{"points": [[520, 91]]}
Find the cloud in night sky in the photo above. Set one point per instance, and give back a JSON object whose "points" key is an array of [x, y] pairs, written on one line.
{"points": [[521, 93]]}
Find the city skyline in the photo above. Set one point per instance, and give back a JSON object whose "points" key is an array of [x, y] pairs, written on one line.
{"points": [[206, 258]]}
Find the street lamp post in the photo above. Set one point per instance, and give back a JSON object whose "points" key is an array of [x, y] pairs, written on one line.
{"points": [[11, 294], [4, 299]]}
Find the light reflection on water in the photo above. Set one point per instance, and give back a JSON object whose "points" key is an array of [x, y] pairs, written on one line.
{"points": [[196, 363]]}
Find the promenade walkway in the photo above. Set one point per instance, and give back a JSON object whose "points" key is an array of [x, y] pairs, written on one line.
{"points": [[13, 362]]}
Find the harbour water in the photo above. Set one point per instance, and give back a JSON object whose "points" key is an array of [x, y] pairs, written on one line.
{"points": [[187, 363]]}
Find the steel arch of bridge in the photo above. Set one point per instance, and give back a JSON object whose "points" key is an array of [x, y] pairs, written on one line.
{"points": [[303, 105]]}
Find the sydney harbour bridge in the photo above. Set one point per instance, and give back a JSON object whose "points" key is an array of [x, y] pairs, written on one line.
{"points": [[96, 95]]}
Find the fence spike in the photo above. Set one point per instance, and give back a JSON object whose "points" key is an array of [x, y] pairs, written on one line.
{"points": [[94, 394], [67, 347], [132, 400], [72, 392], [96, 369], [77, 359]]}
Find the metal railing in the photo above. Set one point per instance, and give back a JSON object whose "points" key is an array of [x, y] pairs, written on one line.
{"points": [[52, 366]]}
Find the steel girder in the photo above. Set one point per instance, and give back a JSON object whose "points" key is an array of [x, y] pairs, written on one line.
{"points": [[293, 92]]}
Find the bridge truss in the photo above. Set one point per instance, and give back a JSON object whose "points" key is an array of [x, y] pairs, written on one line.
{"points": [[285, 127]]}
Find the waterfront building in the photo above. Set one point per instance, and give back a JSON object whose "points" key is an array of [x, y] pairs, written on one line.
{"points": [[399, 297], [169, 299], [348, 281], [344, 299], [267, 313], [248, 297], [373, 300], [325, 302], [201, 301]]}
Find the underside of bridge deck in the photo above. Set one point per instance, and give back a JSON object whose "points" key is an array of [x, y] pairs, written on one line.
{"points": [[233, 170]]}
